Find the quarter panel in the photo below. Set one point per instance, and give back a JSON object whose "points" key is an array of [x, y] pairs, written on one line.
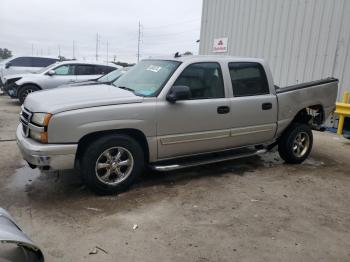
{"points": [[291, 102]]}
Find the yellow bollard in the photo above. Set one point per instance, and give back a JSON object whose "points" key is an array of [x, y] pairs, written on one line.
{"points": [[342, 117]]}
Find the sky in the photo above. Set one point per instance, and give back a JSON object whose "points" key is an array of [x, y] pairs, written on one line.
{"points": [[47, 27]]}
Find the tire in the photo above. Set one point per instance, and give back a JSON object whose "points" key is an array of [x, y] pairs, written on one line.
{"points": [[295, 144], [101, 168], [26, 90]]}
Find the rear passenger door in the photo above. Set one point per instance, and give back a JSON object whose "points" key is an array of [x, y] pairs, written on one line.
{"points": [[253, 107]]}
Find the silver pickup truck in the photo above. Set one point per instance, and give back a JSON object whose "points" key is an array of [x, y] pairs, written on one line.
{"points": [[168, 114]]}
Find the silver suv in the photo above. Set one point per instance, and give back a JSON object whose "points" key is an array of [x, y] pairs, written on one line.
{"points": [[23, 64], [19, 86]]}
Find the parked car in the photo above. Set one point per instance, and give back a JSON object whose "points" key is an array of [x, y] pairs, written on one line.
{"points": [[19, 86], [105, 79], [170, 114], [23, 64]]}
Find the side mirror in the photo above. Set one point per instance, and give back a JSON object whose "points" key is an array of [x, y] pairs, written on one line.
{"points": [[51, 72], [8, 65], [178, 93]]}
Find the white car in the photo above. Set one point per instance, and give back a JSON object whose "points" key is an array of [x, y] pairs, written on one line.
{"points": [[23, 64], [62, 73]]}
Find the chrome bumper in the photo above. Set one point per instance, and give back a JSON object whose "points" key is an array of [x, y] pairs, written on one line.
{"points": [[54, 156]]}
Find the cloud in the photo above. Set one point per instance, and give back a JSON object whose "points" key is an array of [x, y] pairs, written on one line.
{"points": [[167, 27]]}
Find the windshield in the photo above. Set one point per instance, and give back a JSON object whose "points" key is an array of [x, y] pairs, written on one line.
{"points": [[112, 76], [148, 77]]}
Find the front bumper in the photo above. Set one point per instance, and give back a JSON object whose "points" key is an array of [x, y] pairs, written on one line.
{"points": [[10, 233], [52, 156], [11, 90]]}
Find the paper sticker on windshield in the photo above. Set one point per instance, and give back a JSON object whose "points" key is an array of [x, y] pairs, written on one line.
{"points": [[154, 68]]}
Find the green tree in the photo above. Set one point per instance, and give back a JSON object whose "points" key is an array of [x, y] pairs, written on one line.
{"points": [[5, 53]]}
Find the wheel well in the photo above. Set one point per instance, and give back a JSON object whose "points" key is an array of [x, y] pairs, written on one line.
{"points": [[313, 115], [134, 133], [27, 84]]}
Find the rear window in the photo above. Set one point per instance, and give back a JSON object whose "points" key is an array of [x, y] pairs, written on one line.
{"points": [[32, 61], [22, 62], [42, 62], [248, 79]]}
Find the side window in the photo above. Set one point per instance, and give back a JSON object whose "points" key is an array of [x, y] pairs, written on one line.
{"points": [[22, 61], [64, 70], [84, 70], [42, 62], [203, 79], [248, 79], [108, 69], [102, 70]]}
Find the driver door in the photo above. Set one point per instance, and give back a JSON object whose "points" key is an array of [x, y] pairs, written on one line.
{"points": [[64, 74], [199, 124]]}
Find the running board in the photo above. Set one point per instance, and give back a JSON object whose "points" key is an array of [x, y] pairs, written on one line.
{"points": [[205, 161]]}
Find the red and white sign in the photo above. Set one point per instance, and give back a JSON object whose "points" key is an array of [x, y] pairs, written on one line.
{"points": [[220, 45]]}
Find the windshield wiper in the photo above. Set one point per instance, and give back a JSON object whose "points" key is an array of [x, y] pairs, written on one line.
{"points": [[129, 89], [126, 88]]}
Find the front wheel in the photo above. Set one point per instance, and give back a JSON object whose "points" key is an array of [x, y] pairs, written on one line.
{"points": [[111, 164], [296, 143], [25, 91]]}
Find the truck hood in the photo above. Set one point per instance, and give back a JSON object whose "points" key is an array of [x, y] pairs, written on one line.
{"points": [[83, 83], [71, 98]]}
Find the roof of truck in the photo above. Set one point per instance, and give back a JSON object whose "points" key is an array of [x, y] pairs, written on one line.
{"points": [[202, 58]]}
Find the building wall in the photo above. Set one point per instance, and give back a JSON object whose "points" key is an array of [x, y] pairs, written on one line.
{"points": [[302, 40]]}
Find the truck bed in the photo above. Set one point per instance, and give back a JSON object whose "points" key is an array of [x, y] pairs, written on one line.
{"points": [[305, 85], [291, 99]]}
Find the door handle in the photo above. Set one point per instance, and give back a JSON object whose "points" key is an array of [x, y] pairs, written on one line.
{"points": [[266, 106], [223, 109]]}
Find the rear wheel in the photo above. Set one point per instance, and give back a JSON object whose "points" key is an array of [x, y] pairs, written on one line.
{"points": [[25, 91], [112, 163], [296, 143]]}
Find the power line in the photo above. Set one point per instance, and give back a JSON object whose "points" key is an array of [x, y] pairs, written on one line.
{"points": [[172, 34], [180, 23]]}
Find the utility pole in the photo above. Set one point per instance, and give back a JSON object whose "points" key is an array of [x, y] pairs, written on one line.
{"points": [[97, 46], [32, 49], [107, 51], [73, 49], [138, 43], [59, 51]]}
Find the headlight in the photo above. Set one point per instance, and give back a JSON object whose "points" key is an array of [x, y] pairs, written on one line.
{"points": [[41, 119], [11, 80]]}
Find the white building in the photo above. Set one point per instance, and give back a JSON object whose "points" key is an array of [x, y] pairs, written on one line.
{"points": [[302, 40]]}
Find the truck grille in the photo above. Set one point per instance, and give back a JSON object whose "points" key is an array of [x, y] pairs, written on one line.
{"points": [[25, 117]]}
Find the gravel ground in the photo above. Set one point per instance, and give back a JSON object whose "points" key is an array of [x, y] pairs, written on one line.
{"points": [[253, 209]]}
